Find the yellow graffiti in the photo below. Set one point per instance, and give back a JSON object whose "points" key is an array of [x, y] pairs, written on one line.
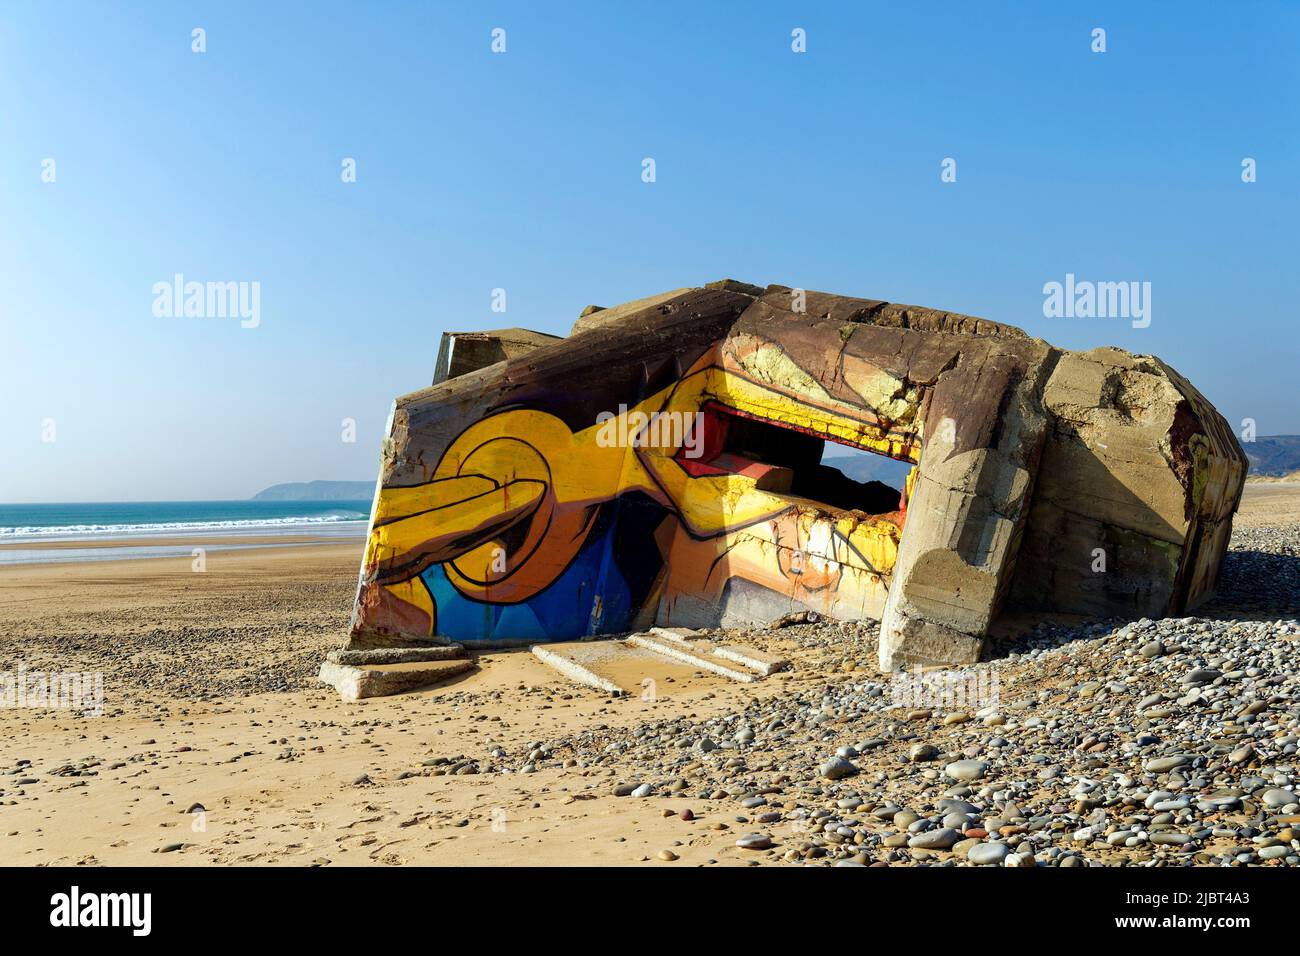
{"points": [[512, 500]]}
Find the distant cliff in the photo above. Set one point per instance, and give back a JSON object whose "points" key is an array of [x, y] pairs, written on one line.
{"points": [[318, 491], [1273, 454]]}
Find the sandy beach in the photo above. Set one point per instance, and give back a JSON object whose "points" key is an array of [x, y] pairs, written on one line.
{"points": [[211, 698], [217, 745]]}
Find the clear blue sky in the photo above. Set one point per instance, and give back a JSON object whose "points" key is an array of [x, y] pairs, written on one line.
{"points": [[523, 171]]}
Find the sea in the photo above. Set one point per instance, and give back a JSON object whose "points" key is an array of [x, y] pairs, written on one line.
{"points": [[173, 528]]}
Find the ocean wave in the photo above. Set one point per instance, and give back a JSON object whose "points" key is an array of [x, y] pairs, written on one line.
{"points": [[181, 527]]}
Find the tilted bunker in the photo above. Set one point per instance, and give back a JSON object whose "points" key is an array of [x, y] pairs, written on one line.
{"points": [[662, 465]]}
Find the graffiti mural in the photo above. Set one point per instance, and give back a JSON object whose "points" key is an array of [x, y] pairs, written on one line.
{"points": [[530, 530], [663, 465]]}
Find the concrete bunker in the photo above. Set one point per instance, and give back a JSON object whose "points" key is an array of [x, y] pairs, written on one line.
{"points": [[662, 465]]}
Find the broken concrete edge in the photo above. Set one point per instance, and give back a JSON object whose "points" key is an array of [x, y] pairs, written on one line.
{"points": [[365, 644], [678, 635], [762, 664], [378, 640], [357, 683], [396, 655], [575, 671], [677, 653]]}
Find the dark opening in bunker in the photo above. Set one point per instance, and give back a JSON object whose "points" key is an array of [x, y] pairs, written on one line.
{"points": [[787, 460]]}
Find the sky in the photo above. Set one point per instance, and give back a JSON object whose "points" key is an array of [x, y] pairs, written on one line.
{"points": [[523, 170]]}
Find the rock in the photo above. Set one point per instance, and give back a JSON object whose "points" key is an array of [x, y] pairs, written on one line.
{"points": [[668, 856], [918, 753], [837, 768], [644, 790], [988, 853], [1278, 798], [754, 841], [967, 770], [1165, 764], [941, 839], [1202, 675]]}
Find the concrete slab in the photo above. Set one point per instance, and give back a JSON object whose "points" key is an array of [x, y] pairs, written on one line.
{"points": [[618, 667], [678, 635], [396, 655], [382, 680], [564, 658], [751, 658], [692, 654]]}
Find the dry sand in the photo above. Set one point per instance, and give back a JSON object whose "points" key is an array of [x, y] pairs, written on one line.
{"points": [[276, 772], [210, 698]]}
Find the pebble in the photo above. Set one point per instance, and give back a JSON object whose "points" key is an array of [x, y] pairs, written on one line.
{"points": [[988, 853], [1278, 798], [922, 752], [1165, 764], [837, 768], [967, 770], [941, 839]]}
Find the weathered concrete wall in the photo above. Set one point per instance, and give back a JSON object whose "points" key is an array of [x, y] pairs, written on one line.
{"points": [[1136, 492]]}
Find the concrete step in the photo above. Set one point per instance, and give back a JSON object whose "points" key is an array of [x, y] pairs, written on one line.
{"points": [[692, 654], [617, 667], [750, 658], [396, 655], [382, 680], [573, 662]]}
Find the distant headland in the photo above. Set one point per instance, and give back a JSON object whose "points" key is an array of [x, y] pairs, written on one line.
{"points": [[318, 491]]}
